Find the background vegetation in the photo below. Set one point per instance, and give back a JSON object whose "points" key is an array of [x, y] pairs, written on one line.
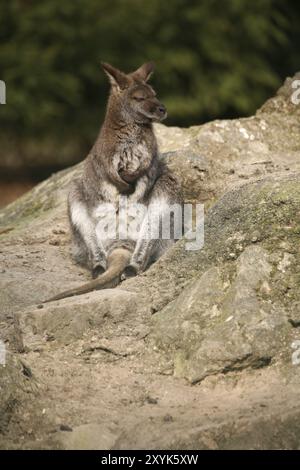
{"points": [[214, 59]]}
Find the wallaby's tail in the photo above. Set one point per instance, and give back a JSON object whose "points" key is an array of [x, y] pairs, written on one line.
{"points": [[117, 262]]}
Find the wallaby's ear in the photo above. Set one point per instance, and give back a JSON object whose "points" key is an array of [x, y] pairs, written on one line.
{"points": [[117, 78], [144, 72]]}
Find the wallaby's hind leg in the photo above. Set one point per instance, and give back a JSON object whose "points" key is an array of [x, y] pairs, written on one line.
{"points": [[147, 250], [79, 250], [161, 227], [87, 248]]}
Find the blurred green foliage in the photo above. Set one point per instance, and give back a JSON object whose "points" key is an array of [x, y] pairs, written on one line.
{"points": [[214, 58]]}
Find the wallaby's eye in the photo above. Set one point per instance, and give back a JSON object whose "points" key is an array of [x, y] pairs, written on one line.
{"points": [[139, 98]]}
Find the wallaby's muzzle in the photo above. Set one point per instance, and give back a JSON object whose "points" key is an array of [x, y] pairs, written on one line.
{"points": [[159, 112]]}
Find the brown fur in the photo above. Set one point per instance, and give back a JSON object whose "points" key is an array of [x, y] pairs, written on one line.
{"points": [[123, 161]]}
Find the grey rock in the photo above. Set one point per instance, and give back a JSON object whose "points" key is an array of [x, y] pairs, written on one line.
{"points": [[224, 318]]}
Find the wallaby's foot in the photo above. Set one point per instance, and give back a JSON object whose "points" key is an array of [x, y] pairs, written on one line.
{"points": [[97, 270], [130, 271]]}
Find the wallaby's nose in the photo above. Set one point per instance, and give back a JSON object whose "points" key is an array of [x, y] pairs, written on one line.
{"points": [[162, 109]]}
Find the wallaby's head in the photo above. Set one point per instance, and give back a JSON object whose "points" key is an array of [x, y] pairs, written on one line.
{"points": [[135, 98]]}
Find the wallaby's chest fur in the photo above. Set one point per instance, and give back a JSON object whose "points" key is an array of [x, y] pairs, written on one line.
{"points": [[133, 157], [119, 162], [130, 158]]}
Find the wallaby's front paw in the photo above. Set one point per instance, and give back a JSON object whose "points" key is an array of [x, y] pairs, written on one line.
{"points": [[97, 271], [130, 271]]}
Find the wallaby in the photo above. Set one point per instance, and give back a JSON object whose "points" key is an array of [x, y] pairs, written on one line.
{"points": [[124, 161]]}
